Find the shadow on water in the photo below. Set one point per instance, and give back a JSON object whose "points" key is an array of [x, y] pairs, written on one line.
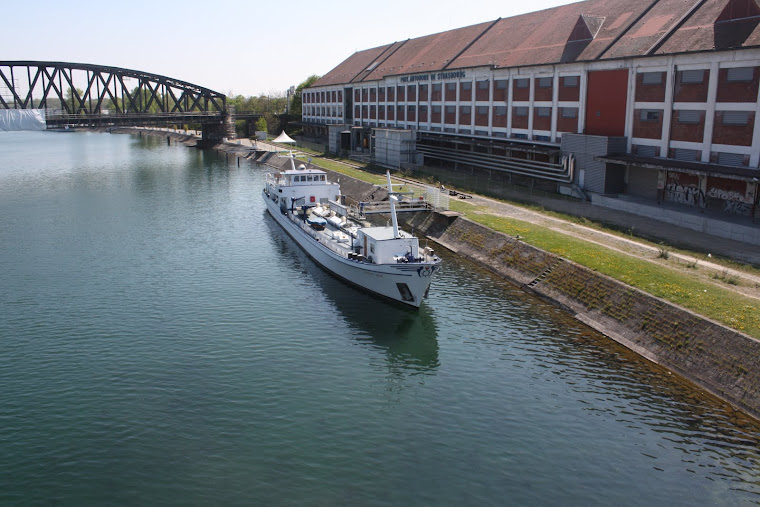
{"points": [[407, 336]]}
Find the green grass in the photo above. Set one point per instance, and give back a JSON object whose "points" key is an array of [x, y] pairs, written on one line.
{"points": [[723, 305], [375, 179]]}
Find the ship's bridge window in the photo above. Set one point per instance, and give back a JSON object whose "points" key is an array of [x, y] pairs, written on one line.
{"points": [[309, 178]]}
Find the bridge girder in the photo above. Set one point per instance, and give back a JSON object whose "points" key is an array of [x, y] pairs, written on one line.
{"points": [[91, 90]]}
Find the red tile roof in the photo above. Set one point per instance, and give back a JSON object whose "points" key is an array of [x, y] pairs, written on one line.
{"points": [[623, 29]]}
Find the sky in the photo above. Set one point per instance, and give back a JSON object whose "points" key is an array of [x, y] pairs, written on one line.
{"points": [[236, 47]]}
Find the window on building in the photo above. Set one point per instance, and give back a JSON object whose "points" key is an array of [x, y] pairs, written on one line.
{"points": [[646, 151], [521, 111], [400, 94], [391, 93], [483, 85], [522, 83], [423, 113], [692, 76], [411, 93], [740, 75], [482, 110], [466, 85], [544, 112], [650, 115], [651, 78], [689, 116], [435, 114], [437, 90], [732, 159], [500, 84], [451, 91], [544, 82], [735, 117], [569, 112], [571, 81], [450, 114], [685, 155], [423, 92]]}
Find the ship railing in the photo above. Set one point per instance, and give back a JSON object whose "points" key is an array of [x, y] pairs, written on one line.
{"points": [[328, 243]]}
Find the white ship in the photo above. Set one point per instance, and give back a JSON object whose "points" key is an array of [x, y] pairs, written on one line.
{"points": [[383, 260]]}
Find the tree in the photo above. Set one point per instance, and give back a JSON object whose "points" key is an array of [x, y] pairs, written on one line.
{"points": [[261, 124], [296, 101]]}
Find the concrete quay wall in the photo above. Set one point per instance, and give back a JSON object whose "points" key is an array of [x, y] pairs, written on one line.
{"points": [[714, 357]]}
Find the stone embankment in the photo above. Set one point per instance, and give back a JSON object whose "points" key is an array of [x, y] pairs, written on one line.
{"points": [[714, 357]]}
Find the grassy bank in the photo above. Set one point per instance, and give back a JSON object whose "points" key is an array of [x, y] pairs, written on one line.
{"points": [[720, 304]]}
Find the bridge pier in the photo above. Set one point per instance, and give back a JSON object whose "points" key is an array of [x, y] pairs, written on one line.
{"points": [[214, 133]]}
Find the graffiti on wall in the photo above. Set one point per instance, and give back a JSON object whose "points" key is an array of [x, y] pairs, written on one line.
{"points": [[735, 196], [684, 189], [738, 208], [683, 194], [732, 195], [727, 195]]}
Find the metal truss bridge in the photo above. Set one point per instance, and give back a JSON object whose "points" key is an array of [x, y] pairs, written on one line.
{"points": [[76, 94]]}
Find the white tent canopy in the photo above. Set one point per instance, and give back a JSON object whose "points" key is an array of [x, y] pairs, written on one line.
{"points": [[283, 138]]}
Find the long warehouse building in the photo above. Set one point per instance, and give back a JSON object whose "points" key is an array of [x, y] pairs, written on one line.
{"points": [[649, 101]]}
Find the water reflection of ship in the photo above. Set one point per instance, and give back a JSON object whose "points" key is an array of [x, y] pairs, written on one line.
{"points": [[408, 337]]}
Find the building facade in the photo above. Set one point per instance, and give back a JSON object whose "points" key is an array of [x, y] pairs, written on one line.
{"points": [[655, 100]]}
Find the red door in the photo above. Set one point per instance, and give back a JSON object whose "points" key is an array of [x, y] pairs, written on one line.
{"points": [[606, 102]]}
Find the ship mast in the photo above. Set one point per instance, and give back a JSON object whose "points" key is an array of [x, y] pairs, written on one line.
{"points": [[392, 198]]}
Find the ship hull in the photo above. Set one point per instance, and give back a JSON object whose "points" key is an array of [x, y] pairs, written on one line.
{"points": [[406, 283]]}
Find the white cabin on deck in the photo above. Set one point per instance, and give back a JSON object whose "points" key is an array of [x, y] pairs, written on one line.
{"points": [[380, 247], [308, 187]]}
